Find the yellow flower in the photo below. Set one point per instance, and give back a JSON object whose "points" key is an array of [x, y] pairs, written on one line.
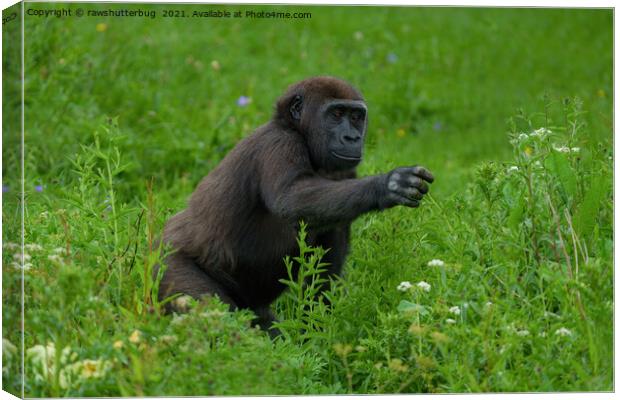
{"points": [[135, 337], [342, 349], [397, 365], [215, 65], [600, 93], [400, 132], [439, 337], [101, 27], [417, 329], [93, 368], [118, 344], [425, 362], [528, 151], [168, 339]]}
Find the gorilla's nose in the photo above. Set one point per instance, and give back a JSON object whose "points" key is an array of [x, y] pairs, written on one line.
{"points": [[351, 138]]}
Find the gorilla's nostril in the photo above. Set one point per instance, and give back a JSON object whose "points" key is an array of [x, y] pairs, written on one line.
{"points": [[351, 139]]}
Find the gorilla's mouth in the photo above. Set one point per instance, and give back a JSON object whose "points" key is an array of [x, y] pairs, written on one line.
{"points": [[346, 157]]}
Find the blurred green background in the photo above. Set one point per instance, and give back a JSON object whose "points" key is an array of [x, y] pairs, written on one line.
{"points": [[440, 82]]}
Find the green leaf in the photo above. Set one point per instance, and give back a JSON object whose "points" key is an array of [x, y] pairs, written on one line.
{"points": [[587, 213], [409, 307], [559, 165], [516, 213]]}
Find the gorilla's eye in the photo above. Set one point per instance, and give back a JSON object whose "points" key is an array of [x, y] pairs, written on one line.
{"points": [[356, 116], [337, 112]]}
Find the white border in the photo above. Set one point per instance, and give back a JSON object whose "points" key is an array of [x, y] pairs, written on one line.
{"points": [[477, 3]]}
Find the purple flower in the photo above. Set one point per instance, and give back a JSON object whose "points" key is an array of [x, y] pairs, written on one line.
{"points": [[243, 101], [5, 188], [437, 126], [392, 58], [38, 188]]}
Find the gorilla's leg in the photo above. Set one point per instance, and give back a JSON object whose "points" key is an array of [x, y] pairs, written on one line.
{"points": [[264, 319], [184, 276]]}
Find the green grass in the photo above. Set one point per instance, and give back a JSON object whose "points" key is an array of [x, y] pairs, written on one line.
{"points": [[527, 251]]}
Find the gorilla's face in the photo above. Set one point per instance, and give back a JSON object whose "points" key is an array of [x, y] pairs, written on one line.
{"points": [[345, 125], [337, 140]]}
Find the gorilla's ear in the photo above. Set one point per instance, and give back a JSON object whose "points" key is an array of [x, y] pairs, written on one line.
{"points": [[295, 109]]}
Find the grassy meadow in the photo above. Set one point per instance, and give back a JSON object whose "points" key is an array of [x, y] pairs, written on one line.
{"points": [[500, 281]]}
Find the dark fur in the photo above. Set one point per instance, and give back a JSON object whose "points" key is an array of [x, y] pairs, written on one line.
{"points": [[242, 220]]}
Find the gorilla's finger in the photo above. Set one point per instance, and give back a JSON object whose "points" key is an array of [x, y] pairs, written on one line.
{"points": [[424, 174], [412, 193], [412, 203], [419, 184], [405, 201]]}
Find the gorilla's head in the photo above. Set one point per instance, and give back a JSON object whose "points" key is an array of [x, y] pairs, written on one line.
{"points": [[332, 117]]}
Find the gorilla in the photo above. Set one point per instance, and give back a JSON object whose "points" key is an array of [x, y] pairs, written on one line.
{"points": [[243, 218]]}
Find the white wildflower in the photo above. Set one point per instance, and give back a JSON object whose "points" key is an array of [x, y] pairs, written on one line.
{"points": [[512, 168], [488, 304], [25, 267], [404, 286], [43, 360], [561, 149], [181, 303], [575, 149], [542, 334], [20, 256], [54, 258], [541, 132], [436, 263], [84, 369], [93, 368], [168, 339], [563, 332], [523, 332], [455, 310], [33, 247], [450, 321], [551, 314], [8, 348], [59, 250], [424, 286], [523, 137], [212, 313], [10, 246], [178, 319]]}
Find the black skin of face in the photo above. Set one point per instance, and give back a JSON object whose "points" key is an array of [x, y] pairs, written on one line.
{"points": [[345, 126], [243, 218]]}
